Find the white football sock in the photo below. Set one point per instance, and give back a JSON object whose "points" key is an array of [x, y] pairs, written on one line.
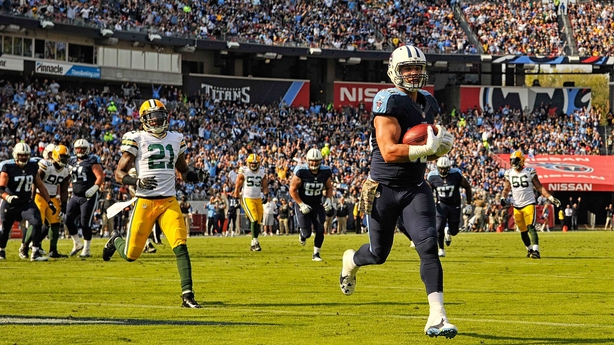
{"points": [[436, 304]]}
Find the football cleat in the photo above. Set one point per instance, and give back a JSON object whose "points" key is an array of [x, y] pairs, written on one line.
{"points": [[535, 254], [23, 252], [189, 301], [441, 253], [302, 239], [443, 328], [447, 237], [109, 247], [38, 256], [529, 253], [85, 254], [316, 257], [42, 251], [2, 255], [347, 279], [257, 247], [55, 255], [75, 249], [149, 248]]}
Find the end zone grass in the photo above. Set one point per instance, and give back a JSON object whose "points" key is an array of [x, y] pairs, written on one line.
{"points": [[279, 296]]}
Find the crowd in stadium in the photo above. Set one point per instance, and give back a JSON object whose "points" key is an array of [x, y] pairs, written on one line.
{"points": [[220, 135], [507, 27]]}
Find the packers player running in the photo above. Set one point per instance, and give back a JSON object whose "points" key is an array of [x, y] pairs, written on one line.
{"points": [[253, 184], [52, 172], [522, 181], [156, 153]]}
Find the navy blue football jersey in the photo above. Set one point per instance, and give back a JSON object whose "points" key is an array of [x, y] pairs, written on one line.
{"points": [[313, 186], [395, 103], [21, 180], [82, 175], [447, 189]]}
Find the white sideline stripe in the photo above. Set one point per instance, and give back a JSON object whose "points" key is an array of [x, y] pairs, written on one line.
{"points": [[10, 320], [58, 321]]}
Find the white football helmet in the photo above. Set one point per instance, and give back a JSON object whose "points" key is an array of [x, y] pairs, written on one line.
{"points": [[314, 159], [81, 147], [48, 151], [443, 166], [21, 154], [403, 56]]}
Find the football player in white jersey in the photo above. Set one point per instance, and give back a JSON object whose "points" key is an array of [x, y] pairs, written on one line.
{"points": [[54, 175], [156, 153], [251, 187], [522, 181]]}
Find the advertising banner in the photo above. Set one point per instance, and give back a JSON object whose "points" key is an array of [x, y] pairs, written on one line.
{"points": [[354, 93], [295, 93], [11, 64], [47, 67], [572, 173], [565, 99]]}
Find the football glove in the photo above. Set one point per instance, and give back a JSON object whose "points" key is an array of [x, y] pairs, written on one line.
{"points": [[91, 191], [554, 201], [305, 209], [11, 199], [203, 175], [469, 209], [432, 145], [328, 204], [52, 207], [148, 183], [447, 141]]}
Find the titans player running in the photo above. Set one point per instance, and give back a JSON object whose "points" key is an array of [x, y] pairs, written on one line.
{"points": [[396, 185], [156, 153], [307, 187], [87, 178], [446, 183], [17, 178]]}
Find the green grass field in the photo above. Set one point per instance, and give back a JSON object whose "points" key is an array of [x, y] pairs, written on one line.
{"points": [[279, 296]]}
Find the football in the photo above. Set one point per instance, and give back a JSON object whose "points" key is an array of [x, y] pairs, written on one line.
{"points": [[417, 134]]}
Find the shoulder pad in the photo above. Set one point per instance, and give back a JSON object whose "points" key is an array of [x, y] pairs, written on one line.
{"points": [[43, 164], [301, 166], [380, 101]]}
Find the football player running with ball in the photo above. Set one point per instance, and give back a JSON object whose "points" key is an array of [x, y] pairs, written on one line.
{"points": [[310, 182], [156, 153], [522, 181], [396, 186]]}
